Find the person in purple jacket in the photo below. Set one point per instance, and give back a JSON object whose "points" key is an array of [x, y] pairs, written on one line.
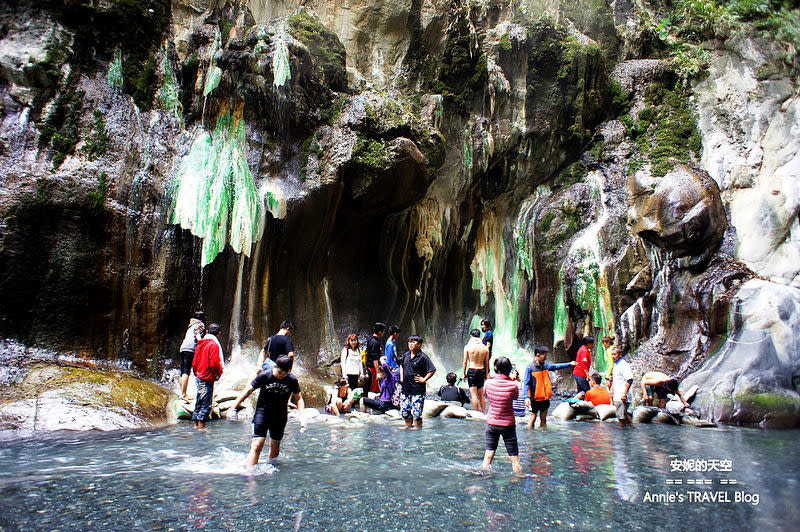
{"points": [[387, 383], [501, 392]]}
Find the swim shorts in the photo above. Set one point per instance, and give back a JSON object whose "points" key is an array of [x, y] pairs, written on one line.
{"points": [[263, 423], [622, 410], [411, 405], [540, 406], [476, 378]]}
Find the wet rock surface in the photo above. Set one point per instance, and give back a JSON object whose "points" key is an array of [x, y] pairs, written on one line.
{"points": [[54, 397], [420, 164]]}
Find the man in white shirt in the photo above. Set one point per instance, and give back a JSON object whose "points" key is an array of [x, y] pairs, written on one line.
{"points": [[621, 382]]}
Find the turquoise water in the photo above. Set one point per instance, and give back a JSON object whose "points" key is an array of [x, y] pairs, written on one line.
{"points": [[376, 476]]}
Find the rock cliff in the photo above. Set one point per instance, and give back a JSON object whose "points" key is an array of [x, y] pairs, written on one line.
{"points": [[564, 168]]}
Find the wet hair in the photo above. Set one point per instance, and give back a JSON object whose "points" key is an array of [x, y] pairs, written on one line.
{"points": [[539, 349], [393, 329], [485, 321], [287, 325], [607, 339], [416, 338], [378, 327], [587, 340], [502, 365], [200, 315], [475, 332], [451, 378], [214, 329], [351, 336], [284, 363], [671, 385], [597, 378], [619, 350], [341, 381]]}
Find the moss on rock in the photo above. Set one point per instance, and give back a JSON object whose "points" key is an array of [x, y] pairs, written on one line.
{"points": [[325, 47]]}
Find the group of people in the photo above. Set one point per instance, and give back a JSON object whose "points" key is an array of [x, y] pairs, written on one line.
{"points": [[381, 379]]}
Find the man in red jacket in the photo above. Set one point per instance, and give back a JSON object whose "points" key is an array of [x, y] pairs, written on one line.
{"points": [[583, 363], [207, 366]]}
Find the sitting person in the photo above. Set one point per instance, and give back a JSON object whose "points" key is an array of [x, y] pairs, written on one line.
{"points": [[660, 384], [341, 398], [597, 394], [387, 383], [519, 403], [451, 393]]}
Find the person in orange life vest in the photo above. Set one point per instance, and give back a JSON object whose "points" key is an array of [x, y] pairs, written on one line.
{"points": [[583, 361], [597, 395], [537, 387], [207, 367]]}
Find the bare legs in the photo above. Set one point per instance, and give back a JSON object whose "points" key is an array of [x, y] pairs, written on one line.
{"points": [[257, 445], [477, 398], [516, 465]]}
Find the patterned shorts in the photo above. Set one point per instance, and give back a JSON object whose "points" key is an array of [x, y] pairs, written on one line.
{"points": [[411, 405]]}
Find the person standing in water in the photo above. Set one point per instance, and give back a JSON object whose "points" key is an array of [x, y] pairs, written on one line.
{"points": [[417, 369], [276, 386], [537, 386], [193, 334], [476, 368], [207, 366], [278, 345], [500, 421], [583, 361]]}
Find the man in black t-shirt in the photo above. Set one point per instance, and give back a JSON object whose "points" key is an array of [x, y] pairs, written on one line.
{"points": [[374, 357], [416, 370], [276, 386], [276, 346]]}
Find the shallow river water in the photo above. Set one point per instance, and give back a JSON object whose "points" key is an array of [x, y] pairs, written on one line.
{"points": [[376, 476]]}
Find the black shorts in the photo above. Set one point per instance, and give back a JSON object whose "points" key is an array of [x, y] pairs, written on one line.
{"points": [[263, 423], [187, 357], [476, 378], [659, 391], [509, 434], [582, 383], [540, 406]]}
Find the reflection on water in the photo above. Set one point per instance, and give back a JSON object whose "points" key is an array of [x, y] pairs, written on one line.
{"points": [[377, 476]]}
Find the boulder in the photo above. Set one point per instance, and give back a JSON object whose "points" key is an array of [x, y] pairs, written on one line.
{"points": [[454, 411], [695, 421], [476, 415], [751, 378], [564, 411], [680, 212], [674, 406], [433, 408], [605, 412], [584, 408], [665, 417], [393, 413], [645, 414], [690, 393], [53, 397]]}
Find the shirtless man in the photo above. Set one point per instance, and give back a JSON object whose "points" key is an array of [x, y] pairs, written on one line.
{"points": [[476, 368], [660, 384]]}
